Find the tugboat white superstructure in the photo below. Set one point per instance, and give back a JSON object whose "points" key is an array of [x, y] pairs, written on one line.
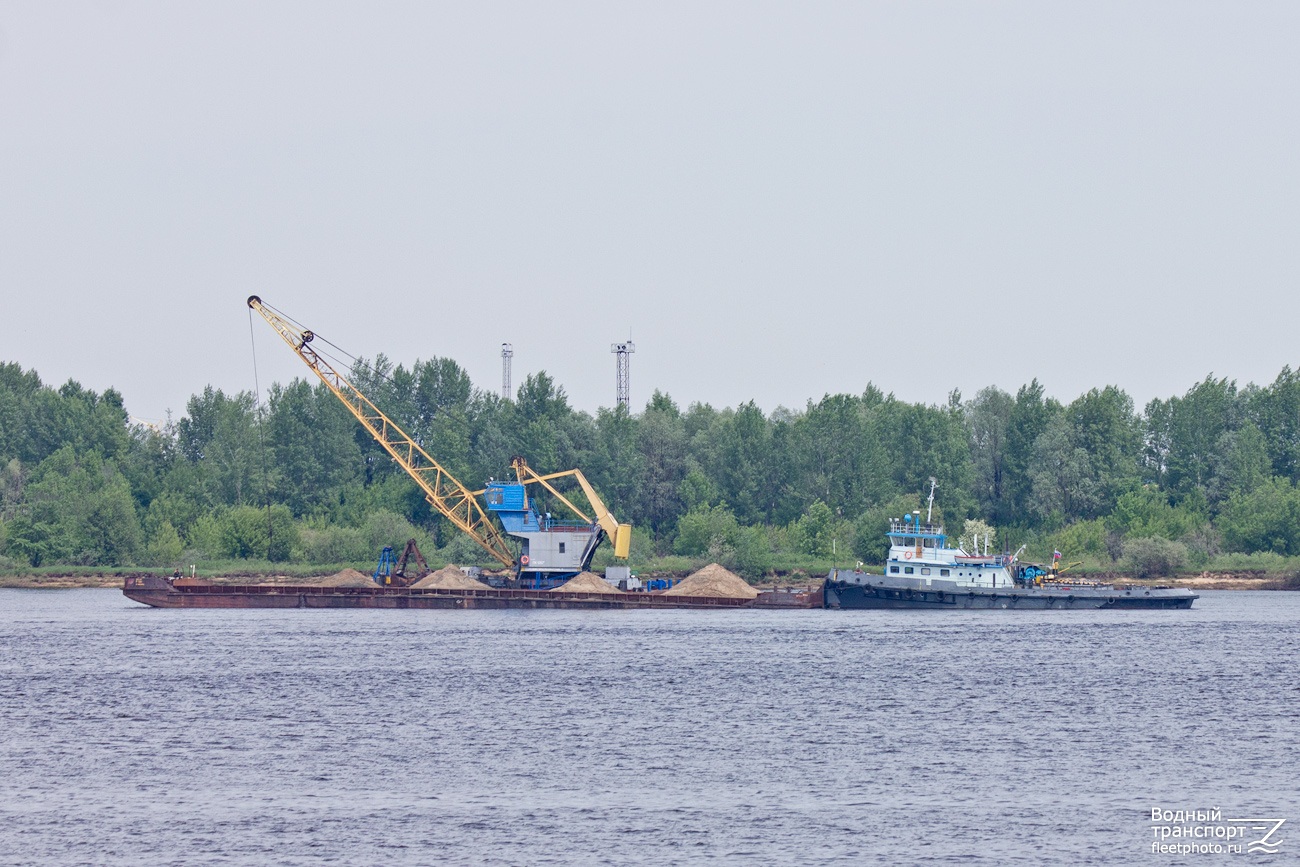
{"points": [[920, 551]]}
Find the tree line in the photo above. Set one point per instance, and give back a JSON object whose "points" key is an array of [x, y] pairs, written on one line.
{"points": [[1178, 482]]}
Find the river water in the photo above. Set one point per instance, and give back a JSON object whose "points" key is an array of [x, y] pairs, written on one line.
{"points": [[140, 736]]}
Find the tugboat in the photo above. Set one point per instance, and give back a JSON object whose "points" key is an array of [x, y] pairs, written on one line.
{"points": [[923, 572]]}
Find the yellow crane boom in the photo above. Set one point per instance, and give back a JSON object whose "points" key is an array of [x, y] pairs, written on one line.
{"points": [[445, 494]]}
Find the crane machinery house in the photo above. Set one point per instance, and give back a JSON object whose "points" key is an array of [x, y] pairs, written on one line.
{"points": [[549, 544]]}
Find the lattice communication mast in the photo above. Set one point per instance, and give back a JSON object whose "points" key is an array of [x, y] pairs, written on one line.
{"points": [[623, 396], [507, 353]]}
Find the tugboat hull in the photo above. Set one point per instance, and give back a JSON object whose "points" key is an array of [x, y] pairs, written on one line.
{"points": [[859, 590]]}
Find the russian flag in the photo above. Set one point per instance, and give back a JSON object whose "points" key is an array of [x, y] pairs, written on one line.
{"points": [[1056, 555]]}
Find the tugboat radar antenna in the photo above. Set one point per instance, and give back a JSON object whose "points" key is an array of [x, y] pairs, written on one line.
{"points": [[929, 512]]}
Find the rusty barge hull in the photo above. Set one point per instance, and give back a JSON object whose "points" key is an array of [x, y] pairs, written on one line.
{"points": [[160, 593]]}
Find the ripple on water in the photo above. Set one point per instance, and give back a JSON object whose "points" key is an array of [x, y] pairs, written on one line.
{"points": [[291, 737]]}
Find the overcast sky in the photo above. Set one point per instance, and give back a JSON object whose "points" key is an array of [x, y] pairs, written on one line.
{"points": [[774, 200]]}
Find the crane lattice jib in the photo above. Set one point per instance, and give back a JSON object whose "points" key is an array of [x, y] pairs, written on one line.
{"points": [[449, 497]]}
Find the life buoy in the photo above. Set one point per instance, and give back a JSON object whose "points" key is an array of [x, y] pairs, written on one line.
{"points": [[907, 555], [523, 561]]}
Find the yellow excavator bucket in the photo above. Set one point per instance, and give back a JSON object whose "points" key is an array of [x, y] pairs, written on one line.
{"points": [[623, 541]]}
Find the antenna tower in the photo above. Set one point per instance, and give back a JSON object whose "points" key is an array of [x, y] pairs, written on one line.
{"points": [[623, 395], [507, 353]]}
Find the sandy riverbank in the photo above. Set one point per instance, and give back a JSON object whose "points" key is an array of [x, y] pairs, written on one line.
{"points": [[64, 582]]}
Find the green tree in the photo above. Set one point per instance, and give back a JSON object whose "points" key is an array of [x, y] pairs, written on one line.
{"points": [[749, 553], [164, 546], [929, 441], [247, 532], [1064, 484], [1146, 512], [313, 454], [1082, 537], [1156, 441], [542, 408], [539, 397], [743, 465], [829, 453], [494, 437], [1197, 423], [697, 490], [705, 528], [18, 389], [1154, 557], [176, 504], [1240, 463], [1105, 427], [662, 445], [615, 466], [989, 419], [1275, 410], [218, 435], [816, 530], [440, 403], [36, 421], [1029, 418], [1264, 519], [76, 509], [13, 478], [442, 388]]}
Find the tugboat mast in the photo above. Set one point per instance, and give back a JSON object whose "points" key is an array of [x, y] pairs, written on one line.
{"points": [[929, 511]]}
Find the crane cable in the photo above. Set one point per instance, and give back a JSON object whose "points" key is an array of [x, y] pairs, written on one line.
{"points": [[318, 338], [261, 436], [352, 363]]}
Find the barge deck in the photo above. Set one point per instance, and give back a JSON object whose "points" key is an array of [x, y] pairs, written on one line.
{"points": [[190, 593]]}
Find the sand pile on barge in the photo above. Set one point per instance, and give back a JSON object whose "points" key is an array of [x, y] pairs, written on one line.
{"points": [[586, 582], [449, 577], [348, 578], [713, 580]]}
